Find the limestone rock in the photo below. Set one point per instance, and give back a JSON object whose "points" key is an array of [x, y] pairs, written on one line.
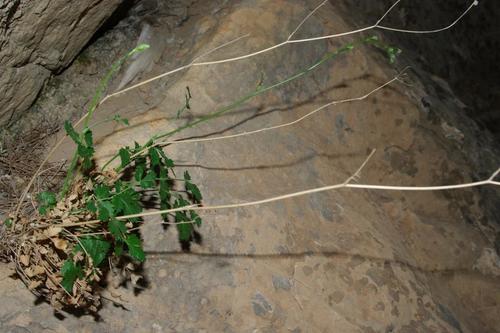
{"points": [[40, 37], [344, 261]]}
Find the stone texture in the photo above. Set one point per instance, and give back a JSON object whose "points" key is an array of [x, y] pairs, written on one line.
{"points": [[345, 261], [460, 55], [38, 38]]}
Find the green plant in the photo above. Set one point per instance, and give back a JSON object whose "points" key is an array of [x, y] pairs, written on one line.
{"points": [[95, 220], [79, 252]]}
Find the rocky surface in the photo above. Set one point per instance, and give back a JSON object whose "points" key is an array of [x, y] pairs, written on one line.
{"points": [[461, 56], [345, 261], [38, 38]]}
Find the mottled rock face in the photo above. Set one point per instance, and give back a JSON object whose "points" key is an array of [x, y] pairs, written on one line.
{"points": [[38, 38], [462, 55], [346, 261]]}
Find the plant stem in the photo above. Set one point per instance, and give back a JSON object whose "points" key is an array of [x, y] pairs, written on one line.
{"points": [[218, 113], [103, 84], [69, 176]]}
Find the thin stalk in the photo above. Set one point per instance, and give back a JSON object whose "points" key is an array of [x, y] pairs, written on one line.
{"points": [[93, 106], [232, 106]]}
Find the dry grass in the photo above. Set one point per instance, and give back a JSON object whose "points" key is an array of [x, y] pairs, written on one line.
{"points": [[20, 156]]}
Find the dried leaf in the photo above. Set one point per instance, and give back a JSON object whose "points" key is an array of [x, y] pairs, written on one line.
{"points": [[89, 186], [24, 259], [53, 231], [135, 278], [34, 271], [60, 243], [66, 219], [38, 236], [51, 285], [55, 303], [34, 284]]}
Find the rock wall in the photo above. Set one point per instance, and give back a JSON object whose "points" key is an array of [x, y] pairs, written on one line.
{"points": [[38, 38], [345, 261], [463, 55]]}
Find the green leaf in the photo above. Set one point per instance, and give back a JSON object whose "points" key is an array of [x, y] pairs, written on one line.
{"points": [[135, 247], [91, 206], [87, 163], [149, 181], [117, 228], [124, 156], [118, 248], [164, 192], [195, 217], [139, 48], [71, 132], [198, 221], [118, 186], [194, 190], [85, 152], [8, 222], [371, 39], [106, 210], [96, 247], [127, 202], [392, 52], [70, 272], [102, 192], [187, 176], [119, 119], [154, 156], [140, 167], [47, 200], [168, 162], [347, 47], [87, 136], [185, 231], [164, 189], [181, 202]]}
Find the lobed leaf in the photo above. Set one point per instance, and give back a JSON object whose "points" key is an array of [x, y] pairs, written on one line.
{"points": [[124, 156], [70, 272], [149, 181], [71, 132], [95, 246], [120, 119], [106, 210], [117, 228], [154, 155], [102, 192], [127, 202], [194, 190], [185, 230], [47, 201], [135, 247]]}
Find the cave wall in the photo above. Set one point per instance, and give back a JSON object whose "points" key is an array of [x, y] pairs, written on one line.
{"points": [[38, 38]]}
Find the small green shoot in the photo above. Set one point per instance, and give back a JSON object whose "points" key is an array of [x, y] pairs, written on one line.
{"points": [[46, 201]]}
